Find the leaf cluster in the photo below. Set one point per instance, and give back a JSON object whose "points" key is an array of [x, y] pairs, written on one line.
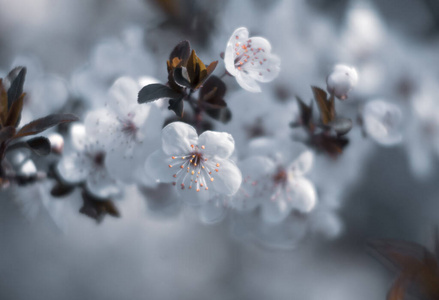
{"points": [[187, 74], [11, 105], [326, 133]]}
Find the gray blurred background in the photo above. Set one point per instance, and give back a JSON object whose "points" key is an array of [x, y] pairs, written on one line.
{"points": [[145, 256]]}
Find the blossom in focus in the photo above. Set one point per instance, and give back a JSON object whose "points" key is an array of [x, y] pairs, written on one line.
{"points": [[128, 132], [86, 162], [250, 60], [382, 122], [341, 80], [276, 184], [200, 167]]}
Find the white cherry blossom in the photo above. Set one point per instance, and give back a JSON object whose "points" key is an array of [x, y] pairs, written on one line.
{"points": [[382, 122], [85, 162], [250, 60], [199, 167], [275, 184], [128, 131], [342, 79]]}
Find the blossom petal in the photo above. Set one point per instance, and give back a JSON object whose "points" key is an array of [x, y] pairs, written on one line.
{"points": [[214, 143], [157, 167], [178, 137], [228, 178], [78, 136], [74, 167], [102, 185], [275, 211], [303, 196], [302, 164], [256, 170], [212, 211], [247, 83], [239, 36]]}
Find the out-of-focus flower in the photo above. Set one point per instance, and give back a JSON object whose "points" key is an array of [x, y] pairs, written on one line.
{"points": [[87, 163], [275, 184], [196, 165], [56, 142], [127, 131], [422, 137], [382, 122], [250, 60], [342, 79]]}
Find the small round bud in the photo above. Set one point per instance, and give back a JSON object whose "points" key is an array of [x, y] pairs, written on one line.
{"points": [[56, 143], [342, 79]]}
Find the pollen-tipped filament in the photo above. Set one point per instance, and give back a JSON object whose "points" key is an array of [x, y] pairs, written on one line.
{"points": [[193, 170]]}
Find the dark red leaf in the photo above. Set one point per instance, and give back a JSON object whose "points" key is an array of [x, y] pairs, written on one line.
{"points": [[16, 78], [96, 208], [181, 51], [42, 124]]}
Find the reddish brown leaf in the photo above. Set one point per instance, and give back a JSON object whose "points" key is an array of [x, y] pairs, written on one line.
{"points": [[96, 208], [14, 114], [3, 104], [6, 133], [42, 124], [181, 52], [191, 66], [211, 67], [213, 88], [326, 107], [16, 77]]}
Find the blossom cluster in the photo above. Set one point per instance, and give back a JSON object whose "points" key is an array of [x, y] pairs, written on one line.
{"points": [[216, 139]]}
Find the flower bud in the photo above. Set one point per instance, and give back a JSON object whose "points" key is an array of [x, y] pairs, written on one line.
{"points": [[342, 79]]}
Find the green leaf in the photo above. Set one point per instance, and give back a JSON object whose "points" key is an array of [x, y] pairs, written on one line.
{"points": [[16, 77], [42, 124], [156, 91]]}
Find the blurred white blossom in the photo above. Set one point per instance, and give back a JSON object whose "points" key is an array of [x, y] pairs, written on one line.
{"points": [[86, 163], [128, 131], [341, 80], [382, 122], [274, 183]]}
